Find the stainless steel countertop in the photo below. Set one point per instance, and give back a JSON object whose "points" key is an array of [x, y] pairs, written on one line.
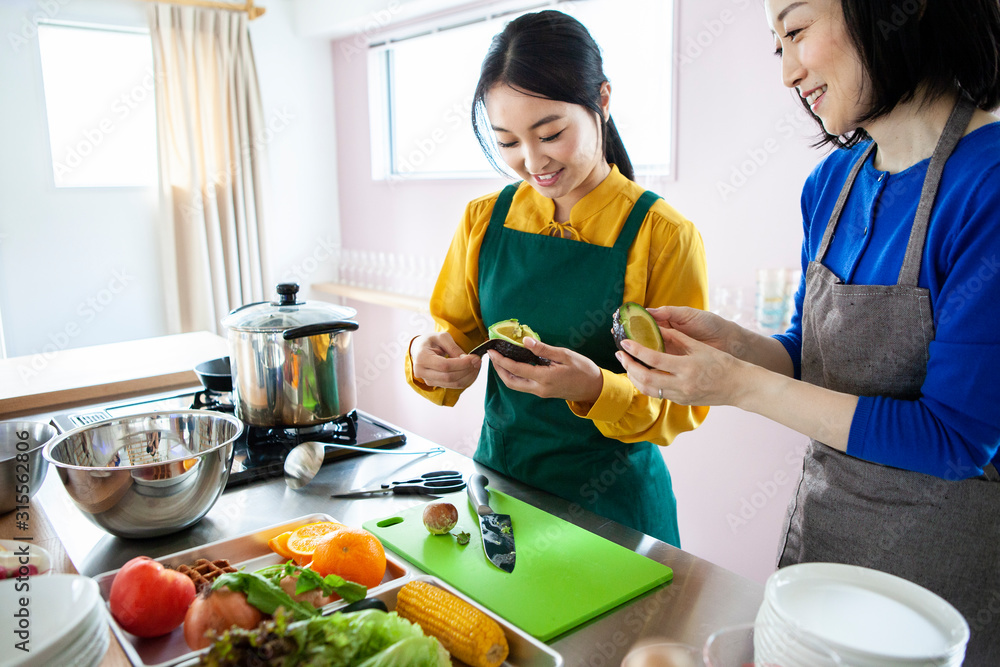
{"points": [[701, 598]]}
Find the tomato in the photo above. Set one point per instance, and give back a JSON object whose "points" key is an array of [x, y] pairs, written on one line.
{"points": [[148, 599]]}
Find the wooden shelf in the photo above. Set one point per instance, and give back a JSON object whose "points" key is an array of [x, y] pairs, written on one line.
{"points": [[46, 381], [379, 297]]}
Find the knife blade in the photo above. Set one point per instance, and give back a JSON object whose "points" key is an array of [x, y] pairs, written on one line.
{"points": [[498, 533]]}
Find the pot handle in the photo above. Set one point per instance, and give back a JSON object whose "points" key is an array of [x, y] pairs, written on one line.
{"points": [[319, 328]]}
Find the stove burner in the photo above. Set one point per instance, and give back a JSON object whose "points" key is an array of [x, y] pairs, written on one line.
{"points": [[259, 452]]}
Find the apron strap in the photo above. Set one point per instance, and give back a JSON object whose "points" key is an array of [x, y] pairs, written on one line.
{"points": [[953, 131], [634, 220], [824, 244], [502, 205]]}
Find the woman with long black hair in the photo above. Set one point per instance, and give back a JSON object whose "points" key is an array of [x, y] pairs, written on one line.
{"points": [[560, 251]]}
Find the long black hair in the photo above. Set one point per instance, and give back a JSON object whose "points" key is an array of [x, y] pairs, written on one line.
{"points": [[940, 44], [551, 55]]}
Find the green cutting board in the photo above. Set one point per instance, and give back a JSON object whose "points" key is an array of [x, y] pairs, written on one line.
{"points": [[564, 575]]}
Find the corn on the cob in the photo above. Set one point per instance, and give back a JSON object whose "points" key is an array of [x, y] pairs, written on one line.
{"points": [[467, 633]]}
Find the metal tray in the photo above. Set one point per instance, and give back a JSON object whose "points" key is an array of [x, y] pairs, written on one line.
{"points": [[248, 551], [525, 650]]}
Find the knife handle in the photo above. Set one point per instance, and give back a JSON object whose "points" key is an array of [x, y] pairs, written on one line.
{"points": [[478, 494]]}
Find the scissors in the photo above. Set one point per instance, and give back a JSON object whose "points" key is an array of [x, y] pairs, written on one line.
{"points": [[428, 484]]}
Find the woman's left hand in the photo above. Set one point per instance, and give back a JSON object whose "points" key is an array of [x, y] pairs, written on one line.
{"points": [[689, 372], [570, 375]]}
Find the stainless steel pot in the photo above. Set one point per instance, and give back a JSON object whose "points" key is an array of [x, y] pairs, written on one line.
{"points": [[292, 361]]}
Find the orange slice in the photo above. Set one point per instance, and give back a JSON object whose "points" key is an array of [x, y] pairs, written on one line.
{"points": [[303, 540], [279, 545]]}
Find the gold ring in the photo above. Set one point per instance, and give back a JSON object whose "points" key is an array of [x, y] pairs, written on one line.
{"points": [[660, 393]]}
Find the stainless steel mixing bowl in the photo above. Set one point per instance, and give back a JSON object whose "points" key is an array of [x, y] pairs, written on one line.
{"points": [[22, 466], [150, 474]]}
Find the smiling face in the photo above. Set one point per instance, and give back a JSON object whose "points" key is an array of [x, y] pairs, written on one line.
{"points": [[554, 146], [819, 60]]}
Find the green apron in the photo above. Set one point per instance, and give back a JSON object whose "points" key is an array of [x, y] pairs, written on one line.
{"points": [[566, 290]]}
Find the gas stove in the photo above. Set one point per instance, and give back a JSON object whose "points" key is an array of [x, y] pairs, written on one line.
{"points": [[259, 452]]}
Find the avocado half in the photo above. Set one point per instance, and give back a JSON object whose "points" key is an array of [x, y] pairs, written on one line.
{"points": [[634, 322], [506, 337]]}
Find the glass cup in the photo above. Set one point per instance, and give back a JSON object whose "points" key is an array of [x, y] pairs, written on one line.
{"points": [[663, 654], [771, 303], [750, 644]]}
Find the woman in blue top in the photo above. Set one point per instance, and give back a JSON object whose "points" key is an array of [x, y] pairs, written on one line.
{"points": [[892, 361]]}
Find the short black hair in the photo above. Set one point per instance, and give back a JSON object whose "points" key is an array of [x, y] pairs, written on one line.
{"points": [[945, 45], [552, 55]]}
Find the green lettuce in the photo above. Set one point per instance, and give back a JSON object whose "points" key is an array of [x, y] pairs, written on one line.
{"points": [[368, 638]]}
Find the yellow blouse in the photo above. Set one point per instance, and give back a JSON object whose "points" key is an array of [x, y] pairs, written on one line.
{"points": [[666, 266]]}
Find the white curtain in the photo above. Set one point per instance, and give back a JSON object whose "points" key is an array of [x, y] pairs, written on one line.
{"points": [[210, 125]]}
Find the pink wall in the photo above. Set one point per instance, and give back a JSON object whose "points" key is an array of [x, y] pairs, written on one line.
{"points": [[742, 158]]}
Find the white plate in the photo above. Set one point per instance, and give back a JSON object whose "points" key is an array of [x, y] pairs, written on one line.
{"points": [[867, 615], [10, 555], [55, 607]]}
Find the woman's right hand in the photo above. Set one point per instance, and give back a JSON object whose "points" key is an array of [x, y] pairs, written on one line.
{"points": [[438, 361], [700, 325]]}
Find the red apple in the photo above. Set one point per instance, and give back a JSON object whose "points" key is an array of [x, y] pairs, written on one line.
{"points": [[148, 599]]}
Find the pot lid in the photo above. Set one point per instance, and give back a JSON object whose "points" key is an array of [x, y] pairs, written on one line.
{"points": [[285, 312]]}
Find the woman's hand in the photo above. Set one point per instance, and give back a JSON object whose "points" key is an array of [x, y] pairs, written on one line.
{"points": [[700, 325], [723, 335], [691, 372], [570, 375], [438, 361]]}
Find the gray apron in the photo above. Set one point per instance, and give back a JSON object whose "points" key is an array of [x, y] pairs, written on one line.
{"points": [[873, 340]]}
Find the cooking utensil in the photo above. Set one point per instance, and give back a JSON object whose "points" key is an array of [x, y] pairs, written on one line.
{"points": [[292, 361], [149, 474], [306, 458], [566, 575], [215, 374], [22, 466], [430, 483], [498, 534]]}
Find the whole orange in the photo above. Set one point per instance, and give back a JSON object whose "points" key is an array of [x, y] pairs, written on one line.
{"points": [[351, 553]]}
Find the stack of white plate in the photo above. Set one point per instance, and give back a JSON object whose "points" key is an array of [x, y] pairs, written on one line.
{"points": [[63, 616], [828, 614]]}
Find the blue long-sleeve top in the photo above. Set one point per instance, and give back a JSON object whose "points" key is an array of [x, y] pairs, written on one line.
{"points": [[953, 429]]}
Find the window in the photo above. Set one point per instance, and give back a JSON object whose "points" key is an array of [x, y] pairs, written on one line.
{"points": [[99, 101], [421, 85]]}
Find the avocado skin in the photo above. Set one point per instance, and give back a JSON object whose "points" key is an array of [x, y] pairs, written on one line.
{"points": [[511, 351], [518, 353]]}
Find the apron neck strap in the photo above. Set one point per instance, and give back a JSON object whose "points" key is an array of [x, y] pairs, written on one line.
{"points": [[831, 226], [502, 205], [953, 131], [634, 220]]}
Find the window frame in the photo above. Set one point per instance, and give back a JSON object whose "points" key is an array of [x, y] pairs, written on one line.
{"points": [[382, 111]]}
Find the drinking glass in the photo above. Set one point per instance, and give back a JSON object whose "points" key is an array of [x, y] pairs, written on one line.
{"points": [[663, 654], [750, 644]]}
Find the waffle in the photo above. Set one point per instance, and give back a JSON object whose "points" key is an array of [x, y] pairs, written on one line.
{"points": [[203, 571]]}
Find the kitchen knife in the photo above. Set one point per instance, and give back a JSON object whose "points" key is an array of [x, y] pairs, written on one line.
{"points": [[498, 534]]}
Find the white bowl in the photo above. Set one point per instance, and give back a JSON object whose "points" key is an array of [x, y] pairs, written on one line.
{"points": [[52, 610], [867, 616]]}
